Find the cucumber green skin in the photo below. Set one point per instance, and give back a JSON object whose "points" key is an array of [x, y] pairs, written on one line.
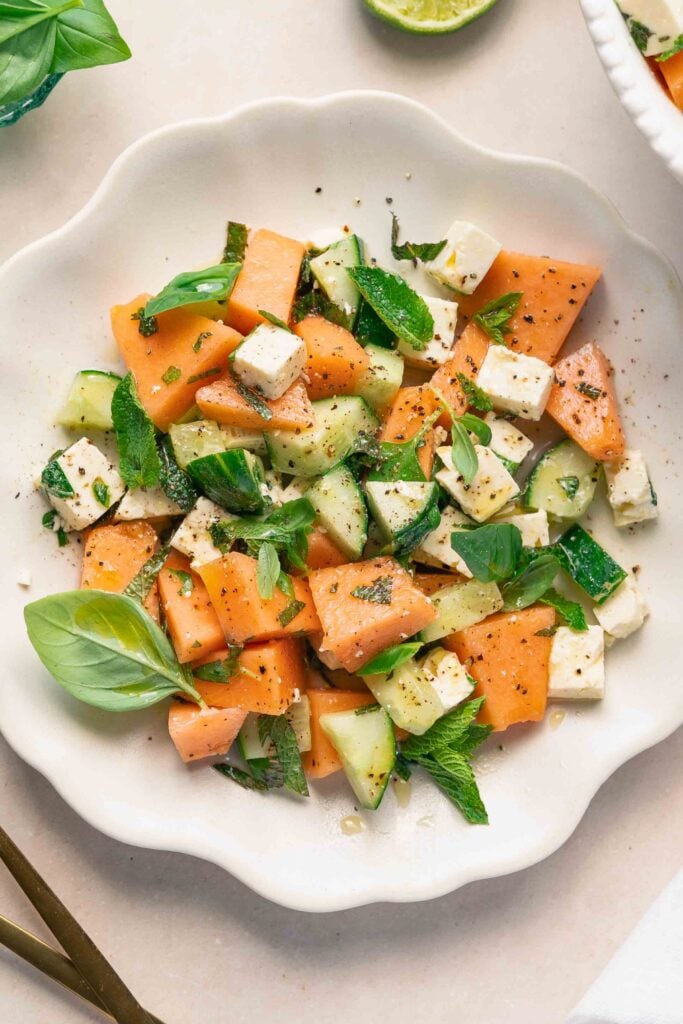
{"points": [[369, 794], [248, 740], [341, 482], [232, 479], [382, 380], [371, 330], [560, 506], [316, 451], [353, 246], [588, 564]]}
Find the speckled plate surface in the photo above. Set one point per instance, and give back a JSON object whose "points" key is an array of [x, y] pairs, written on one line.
{"points": [[162, 208]]}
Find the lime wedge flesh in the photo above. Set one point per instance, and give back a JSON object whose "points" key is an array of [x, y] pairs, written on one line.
{"points": [[432, 17]]}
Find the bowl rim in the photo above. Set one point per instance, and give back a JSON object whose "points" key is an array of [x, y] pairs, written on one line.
{"points": [[647, 104], [115, 823]]}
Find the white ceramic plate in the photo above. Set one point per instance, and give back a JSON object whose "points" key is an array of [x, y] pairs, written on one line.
{"points": [[162, 208], [651, 109]]}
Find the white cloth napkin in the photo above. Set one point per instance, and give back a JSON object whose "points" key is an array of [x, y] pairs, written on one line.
{"points": [[643, 982]]}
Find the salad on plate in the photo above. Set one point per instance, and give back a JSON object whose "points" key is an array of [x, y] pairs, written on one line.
{"points": [[319, 517], [656, 27]]}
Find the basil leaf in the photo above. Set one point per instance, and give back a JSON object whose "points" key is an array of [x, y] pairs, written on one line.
{"points": [[476, 426], [491, 553], [570, 612], [528, 586], [377, 592], [175, 483], [494, 318], [143, 581], [236, 237], [278, 730], [105, 650], [400, 461], [477, 398], [55, 481], [404, 312], [274, 320], [445, 732], [284, 583], [196, 286], [140, 465], [463, 454], [17, 16], [390, 659], [87, 37], [25, 61], [414, 251], [268, 570]]}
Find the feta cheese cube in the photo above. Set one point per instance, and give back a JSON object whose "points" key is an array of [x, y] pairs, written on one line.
{"points": [[629, 490], [95, 482], [663, 20], [506, 440], [465, 259], [192, 538], [624, 612], [577, 664], [435, 549], [145, 504], [440, 348], [270, 359], [448, 677], [516, 383], [533, 526], [491, 488]]}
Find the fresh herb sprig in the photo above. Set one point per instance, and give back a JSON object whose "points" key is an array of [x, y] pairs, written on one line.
{"points": [[280, 769], [236, 238], [424, 251], [403, 311], [196, 286], [139, 461], [494, 318]]}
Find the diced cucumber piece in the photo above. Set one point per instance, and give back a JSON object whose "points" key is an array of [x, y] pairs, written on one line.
{"points": [[340, 507], [382, 380], [408, 697], [233, 479], [404, 510], [206, 437], [330, 270], [249, 742], [338, 424], [88, 404], [563, 482], [588, 564], [460, 606], [366, 746], [371, 330], [299, 715]]}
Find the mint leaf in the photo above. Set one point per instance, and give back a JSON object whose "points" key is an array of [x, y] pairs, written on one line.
{"points": [[390, 659], [570, 612], [675, 48], [201, 338], [414, 251], [275, 320], [242, 778], [569, 484], [477, 398], [494, 318], [140, 465], [453, 774], [143, 581], [268, 570], [175, 482], [589, 390], [445, 732], [171, 375], [289, 613], [196, 286], [529, 585], [639, 33], [278, 730], [55, 481], [377, 592], [316, 303], [279, 527], [147, 325], [101, 492], [186, 581], [403, 311], [236, 237], [284, 583], [254, 399], [491, 553]]}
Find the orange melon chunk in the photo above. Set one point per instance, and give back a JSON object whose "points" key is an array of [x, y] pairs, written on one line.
{"points": [[191, 620], [672, 70], [432, 582], [171, 365], [406, 416], [322, 759], [554, 293], [509, 662], [267, 281], [244, 615], [356, 628], [113, 556], [590, 416], [222, 402], [322, 553], [273, 673], [203, 732], [468, 355], [335, 361]]}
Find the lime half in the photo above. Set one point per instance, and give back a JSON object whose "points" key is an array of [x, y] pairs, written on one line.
{"points": [[429, 17]]}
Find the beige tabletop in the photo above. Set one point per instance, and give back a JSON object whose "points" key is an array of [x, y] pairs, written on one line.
{"points": [[194, 944]]}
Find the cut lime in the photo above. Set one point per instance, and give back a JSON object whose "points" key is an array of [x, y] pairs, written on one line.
{"points": [[429, 17]]}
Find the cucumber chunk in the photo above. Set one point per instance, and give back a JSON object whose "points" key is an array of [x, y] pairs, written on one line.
{"points": [[88, 404], [341, 511], [382, 380], [299, 716], [460, 606], [330, 270], [366, 747], [408, 697], [405, 511], [206, 437], [563, 482], [588, 564], [339, 422], [233, 479]]}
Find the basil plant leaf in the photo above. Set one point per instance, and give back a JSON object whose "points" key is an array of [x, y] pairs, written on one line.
{"points": [[87, 37], [491, 553], [403, 311], [196, 286]]}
